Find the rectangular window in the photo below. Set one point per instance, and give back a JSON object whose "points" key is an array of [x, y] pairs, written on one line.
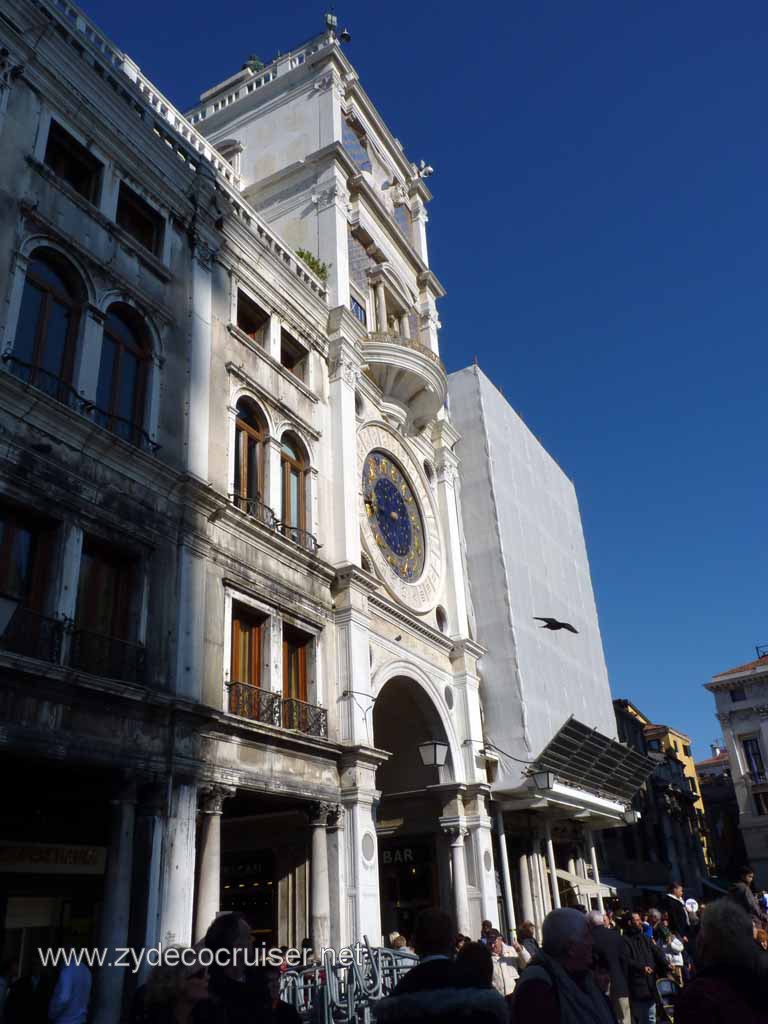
{"points": [[754, 758], [106, 591], [251, 319], [654, 745], [141, 221], [23, 559], [295, 663], [358, 310], [692, 784], [246, 645], [292, 356], [738, 693], [687, 751], [73, 163]]}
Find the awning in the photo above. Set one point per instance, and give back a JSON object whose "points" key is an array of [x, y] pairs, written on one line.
{"points": [[585, 886], [584, 758]]}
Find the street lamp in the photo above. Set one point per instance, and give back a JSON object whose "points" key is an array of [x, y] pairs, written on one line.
{"points": [[543, 779], [631, 816], [433, 753]]}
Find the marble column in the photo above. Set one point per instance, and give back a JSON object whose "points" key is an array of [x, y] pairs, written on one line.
{"points": [[405, 327], [319, 898], [551, 864], [506, 878], [589, 838], [459, 879], [151, 811], [116, 906], [381, 307], [178, 872], [209, 876], [526, 895]]}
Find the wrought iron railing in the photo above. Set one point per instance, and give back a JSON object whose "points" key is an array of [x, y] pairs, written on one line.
{"points": [[303, 717], [272, 708], [757, 776], [255, 703], [107, 656], [60, 390], [33, 635], [303, 538], [256, 509]]}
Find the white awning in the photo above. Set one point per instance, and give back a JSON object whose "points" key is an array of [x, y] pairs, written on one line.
{"points": [[585, 886]]}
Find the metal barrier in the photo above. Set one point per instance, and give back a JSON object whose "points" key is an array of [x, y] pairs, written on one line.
{"points": [[334, 993]]}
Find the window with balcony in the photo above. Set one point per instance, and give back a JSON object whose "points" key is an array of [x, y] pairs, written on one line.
{"points": [[123, 374], [247, 697], [140, 220], [251, 318], [294, 468], [298, 656], [26, 548], [250, 432], [293, 356], [106, 616], [753, 758], [52, 306], [73, 163]]}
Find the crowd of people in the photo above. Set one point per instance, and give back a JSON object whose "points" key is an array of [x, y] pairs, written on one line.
{"points": [[680, 962]]}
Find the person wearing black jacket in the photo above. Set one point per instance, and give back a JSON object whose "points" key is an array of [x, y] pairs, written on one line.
{"points": [[645, 963], [612, 946], [674, 907]]}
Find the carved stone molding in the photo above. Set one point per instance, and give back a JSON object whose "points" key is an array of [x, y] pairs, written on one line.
{"points": [[336, 816], [456, 833], [343, 368]]}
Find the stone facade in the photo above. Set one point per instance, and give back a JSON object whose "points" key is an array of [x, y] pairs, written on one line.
{"points": [[221, 642], [741, 702]]}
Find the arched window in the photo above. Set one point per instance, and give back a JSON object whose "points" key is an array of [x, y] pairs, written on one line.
{"points": [[48, 324], [123, 372], [249, 459], [293, 468]]}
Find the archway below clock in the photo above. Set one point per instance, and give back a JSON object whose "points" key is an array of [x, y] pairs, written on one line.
{"points": [[414, 870]]}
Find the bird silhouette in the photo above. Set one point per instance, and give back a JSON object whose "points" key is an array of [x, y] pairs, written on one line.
{"points": [[554, 624]]}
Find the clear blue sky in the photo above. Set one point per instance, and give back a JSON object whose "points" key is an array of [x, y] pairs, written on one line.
{"points": [[600, 223]]}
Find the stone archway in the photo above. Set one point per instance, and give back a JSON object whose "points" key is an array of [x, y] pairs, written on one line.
{"points": [[415, 854]]}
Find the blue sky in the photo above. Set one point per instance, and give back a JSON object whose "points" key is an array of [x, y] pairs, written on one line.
{"points": [[599, 223]]}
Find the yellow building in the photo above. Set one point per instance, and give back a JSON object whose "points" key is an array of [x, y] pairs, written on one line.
{"points": [[663, 739]]}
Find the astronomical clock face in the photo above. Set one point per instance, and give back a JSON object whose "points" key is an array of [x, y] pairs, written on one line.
{"points": [[393, 515], [398, 519]]}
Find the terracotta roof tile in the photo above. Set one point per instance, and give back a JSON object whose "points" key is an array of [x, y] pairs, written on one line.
{"points": [[759, 663]]}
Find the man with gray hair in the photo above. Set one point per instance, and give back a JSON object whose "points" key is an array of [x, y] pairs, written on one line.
{"points": [[610, 943], [557, 986]]}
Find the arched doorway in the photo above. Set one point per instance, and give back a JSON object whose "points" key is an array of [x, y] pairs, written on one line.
{"points": [[413, 852]]}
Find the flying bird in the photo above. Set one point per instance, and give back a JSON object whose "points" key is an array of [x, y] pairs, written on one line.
{"points": [[554, 624]]}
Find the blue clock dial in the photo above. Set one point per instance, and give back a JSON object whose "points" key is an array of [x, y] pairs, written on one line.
{"points": [[393, 515]]}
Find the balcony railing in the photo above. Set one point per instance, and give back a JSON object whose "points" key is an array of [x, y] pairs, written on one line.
{"points": [[107, 656], [254, 703], [33, 635], [256, 509], [757, 776], [303, 538], [260, 705], [63, 392], [412, 343], [308, 718]]}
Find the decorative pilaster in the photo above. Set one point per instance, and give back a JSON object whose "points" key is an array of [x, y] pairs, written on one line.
{"points": [[209, 878], [344, 372], [199, 396]]}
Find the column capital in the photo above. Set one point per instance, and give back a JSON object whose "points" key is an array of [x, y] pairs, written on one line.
{"points": [[319, 811], [212, 798], [336, 816], [455, 834]]}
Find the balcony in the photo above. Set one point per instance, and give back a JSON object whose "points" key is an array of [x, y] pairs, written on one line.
{"points": [[33, 635], [410, 375], [303, 538], [107, 656], [258, 705], [757, 776], [256, 509]]}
